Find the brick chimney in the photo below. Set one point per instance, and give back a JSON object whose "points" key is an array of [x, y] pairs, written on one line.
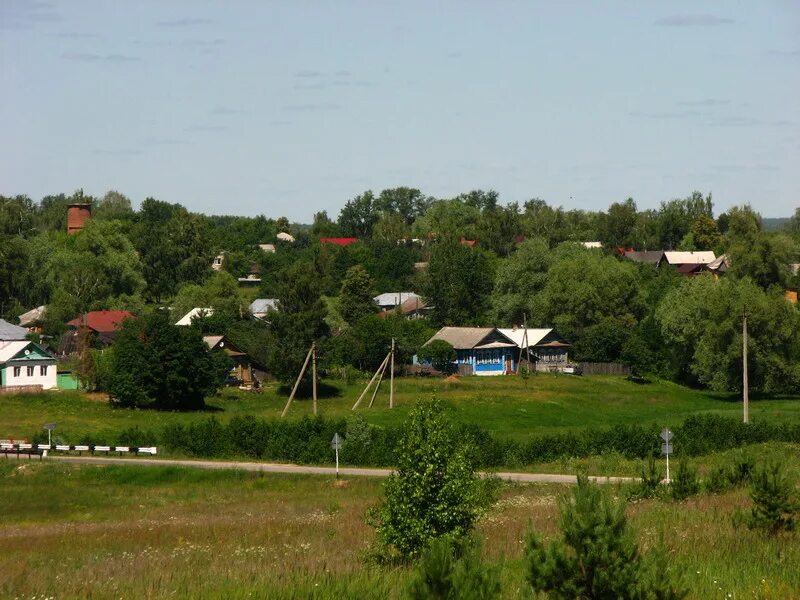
{"points": [[77, 215]]}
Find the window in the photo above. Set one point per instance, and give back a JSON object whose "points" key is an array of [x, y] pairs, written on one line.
{"points": [[43, 370], [17, 371], [30, 371]]}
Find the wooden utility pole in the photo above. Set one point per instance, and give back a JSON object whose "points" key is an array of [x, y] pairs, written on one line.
{"points": [[314, 375], [297, 383], [744, 370], [371, 381], [524, 345], [391, 379]]}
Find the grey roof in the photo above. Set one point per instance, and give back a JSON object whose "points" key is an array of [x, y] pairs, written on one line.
{"points": [[260, 306], [650, 257], [394, 298], [462, 338], [9, 331], [32, 316]]}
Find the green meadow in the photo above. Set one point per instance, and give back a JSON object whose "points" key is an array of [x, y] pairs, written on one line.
{"points": [[505, 406], [133, 532]]}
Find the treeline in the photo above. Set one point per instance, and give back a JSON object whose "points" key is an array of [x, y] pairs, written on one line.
{"points": [[307, 440], [474, 260]]}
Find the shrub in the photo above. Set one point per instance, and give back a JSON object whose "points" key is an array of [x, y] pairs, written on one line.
{"points": [[650, 483], [685, 483], [451, 571], [439, 353], [718, 480], [775, 504], [597, 556], [434, 492]]}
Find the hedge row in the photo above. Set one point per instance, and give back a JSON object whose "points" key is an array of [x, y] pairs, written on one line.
{"points": [[308, 440]]}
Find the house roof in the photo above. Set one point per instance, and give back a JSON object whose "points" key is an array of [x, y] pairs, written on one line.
{"points": [[9, 349], [286, 237], [517, 335], [195, 312], [32, 316], [690, 258], [721, 263], [395, 298], [9, 331], [592, 244], [214, 341], [649, 257], [339, 241], [267, 247], [462, 338], [260, 306], [102, 321]]}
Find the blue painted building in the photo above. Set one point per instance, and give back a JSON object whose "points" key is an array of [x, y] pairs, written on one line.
{"points": [[493, 351]]}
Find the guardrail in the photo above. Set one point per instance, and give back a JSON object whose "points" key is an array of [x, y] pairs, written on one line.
{"points": [[20, 448]]}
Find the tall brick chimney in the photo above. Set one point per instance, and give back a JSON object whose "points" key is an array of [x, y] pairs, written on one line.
{"points": [[77, 215]]}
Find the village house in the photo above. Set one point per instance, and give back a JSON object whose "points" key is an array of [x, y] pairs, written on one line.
{"points": [[25, 364], [242, 373], [260, 307], [195, 313], [494, 351], [391, 300], [100, 326], [413, 307], [33, 320]]}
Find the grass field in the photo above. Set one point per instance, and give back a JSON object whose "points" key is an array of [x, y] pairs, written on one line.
{"points": [[132, 532], [506, 406]]}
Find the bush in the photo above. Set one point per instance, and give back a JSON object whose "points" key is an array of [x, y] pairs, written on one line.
{"points": [[685, 483], [598, 556], [775, 504], [451, 571], [650, 483], [434, 491], [439, 353]]}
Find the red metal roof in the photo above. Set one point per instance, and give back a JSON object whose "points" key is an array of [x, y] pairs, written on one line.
{"points": [[341, 241], [102, 321]]}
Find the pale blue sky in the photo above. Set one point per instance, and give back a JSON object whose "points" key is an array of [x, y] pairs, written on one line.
{"points": [[286, 108]]}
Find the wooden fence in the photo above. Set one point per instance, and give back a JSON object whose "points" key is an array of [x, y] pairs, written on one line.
{"points": [[604, 368], [20, 389]]}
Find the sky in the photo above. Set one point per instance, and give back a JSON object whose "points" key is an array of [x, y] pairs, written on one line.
{"points": [[289, 108]]}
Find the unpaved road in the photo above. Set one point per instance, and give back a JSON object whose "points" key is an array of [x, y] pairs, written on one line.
{"points": [[305, 469]]}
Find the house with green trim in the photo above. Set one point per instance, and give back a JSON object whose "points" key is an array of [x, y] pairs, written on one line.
{"points": [[24, 363]]}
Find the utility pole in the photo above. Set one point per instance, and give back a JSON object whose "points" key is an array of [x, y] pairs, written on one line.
{"points": [[391, 378], [744, 370], [314, 375]]}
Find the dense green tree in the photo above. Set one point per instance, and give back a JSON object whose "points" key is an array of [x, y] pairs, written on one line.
{"points": [[705, 233], [403, 202], [355, 298], [94, 265], [359, 216], [702, 320], [619, 224], [458, 283], [434, 491], [451, 219], [113, 206], [498, 229], [454, 571], [173, 245], [585, 288], [322, 226], [16, 216], [299, 321], [519, 278], [155, 363], [776, 505]]}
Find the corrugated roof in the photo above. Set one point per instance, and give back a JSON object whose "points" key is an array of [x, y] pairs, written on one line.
{"points": [[462, 338], [395, 298], [518, 335], [649, 257], [102, 321], [32, 316], [9, 331], [690, 258], [260, 306], [195, 312]]}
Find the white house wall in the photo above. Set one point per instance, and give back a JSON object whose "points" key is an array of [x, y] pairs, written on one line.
{"points": [[48, 382]]}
